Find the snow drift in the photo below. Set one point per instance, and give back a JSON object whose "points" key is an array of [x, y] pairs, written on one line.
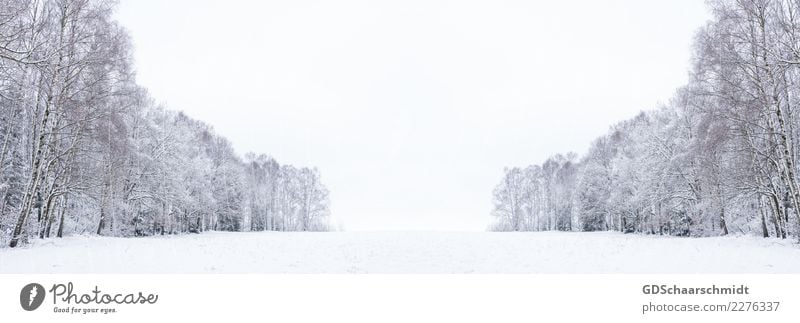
{"points": [[404, 252]]}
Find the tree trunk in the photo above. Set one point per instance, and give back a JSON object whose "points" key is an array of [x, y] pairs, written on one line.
{"points": [[764, 230], [102, 222], [61, 218], [33, 183]]}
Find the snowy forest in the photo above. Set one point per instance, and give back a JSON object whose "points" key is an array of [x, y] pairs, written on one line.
{"points": [[719, 158], [84, 149]]}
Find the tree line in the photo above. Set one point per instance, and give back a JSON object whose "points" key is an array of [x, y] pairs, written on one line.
{"points": [[719, 158], [84, 149]]}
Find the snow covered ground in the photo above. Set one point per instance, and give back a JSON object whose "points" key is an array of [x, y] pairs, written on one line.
{"points": [[404, 252]]}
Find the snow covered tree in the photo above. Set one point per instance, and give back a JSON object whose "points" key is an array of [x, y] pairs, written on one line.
{"points": [[720, 158], [83, 149]]}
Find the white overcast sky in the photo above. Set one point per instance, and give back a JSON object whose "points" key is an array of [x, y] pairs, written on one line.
{"points": [[411, 109]]}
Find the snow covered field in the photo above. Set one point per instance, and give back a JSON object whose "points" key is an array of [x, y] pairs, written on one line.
{"points": [[404, 252]]}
